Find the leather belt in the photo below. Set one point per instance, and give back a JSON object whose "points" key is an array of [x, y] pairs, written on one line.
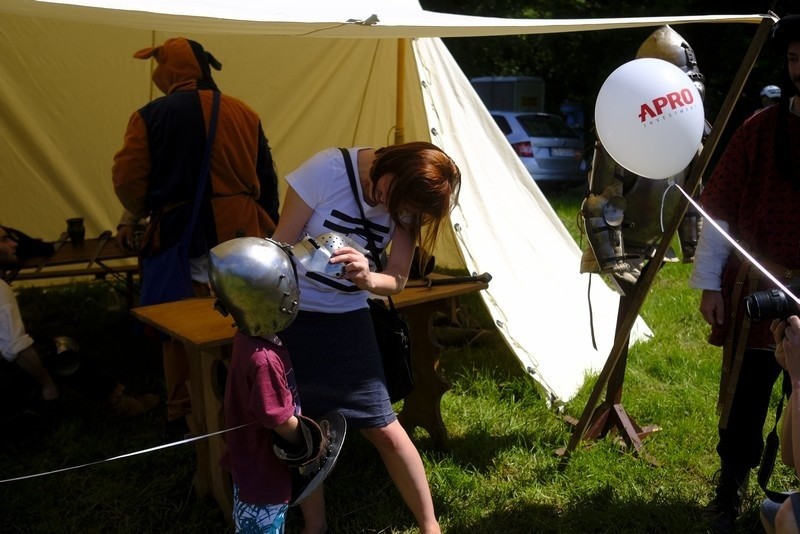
{"points": [[777, 270]]}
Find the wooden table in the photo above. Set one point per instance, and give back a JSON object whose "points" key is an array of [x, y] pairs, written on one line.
{"points": [[208, 336], [97, 257]]}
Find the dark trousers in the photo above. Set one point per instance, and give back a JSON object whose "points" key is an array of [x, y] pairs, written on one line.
{"points": [[741, 443]]}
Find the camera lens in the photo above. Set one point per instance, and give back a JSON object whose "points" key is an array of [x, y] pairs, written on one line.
{"points": [[767, 304]]}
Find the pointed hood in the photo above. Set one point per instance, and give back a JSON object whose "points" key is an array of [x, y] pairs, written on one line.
{"points": [[182, 64]]}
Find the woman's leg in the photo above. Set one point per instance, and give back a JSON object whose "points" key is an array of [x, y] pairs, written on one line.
{"points": [[785, 520], [404, 465], [313, 508]]}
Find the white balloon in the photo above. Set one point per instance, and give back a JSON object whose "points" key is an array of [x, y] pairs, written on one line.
{"points": [[650, 117]]}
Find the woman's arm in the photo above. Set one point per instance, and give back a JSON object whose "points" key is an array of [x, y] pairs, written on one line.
{"points": [[392, 279], [294, 216], [787, 433]]}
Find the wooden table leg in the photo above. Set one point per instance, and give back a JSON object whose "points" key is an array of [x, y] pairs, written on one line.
{"points": [[422, 407], [197, 419], [214, 363]]}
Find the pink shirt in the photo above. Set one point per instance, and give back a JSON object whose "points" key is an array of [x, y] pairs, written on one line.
{"points": [[260, 392]]}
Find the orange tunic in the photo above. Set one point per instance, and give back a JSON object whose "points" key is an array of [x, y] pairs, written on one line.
{"points": [[157, 169]]}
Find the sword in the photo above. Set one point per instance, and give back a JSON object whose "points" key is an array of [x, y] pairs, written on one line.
{"points": [[103, 239], [57, 245], [484, 278]]}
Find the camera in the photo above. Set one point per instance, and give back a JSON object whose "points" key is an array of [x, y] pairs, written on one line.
{"points": [[772, 303]]}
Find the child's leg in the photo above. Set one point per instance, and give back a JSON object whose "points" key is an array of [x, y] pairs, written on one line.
{"points": [[258, 518]]}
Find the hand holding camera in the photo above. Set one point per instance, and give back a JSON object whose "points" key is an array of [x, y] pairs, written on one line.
{"points": [[787, 344]]}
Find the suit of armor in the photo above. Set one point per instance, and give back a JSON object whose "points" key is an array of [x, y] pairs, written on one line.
{"points": [[623, 213]]}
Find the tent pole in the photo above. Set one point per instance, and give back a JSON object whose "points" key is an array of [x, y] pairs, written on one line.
{"points": [[152, 68], [399, 131], [642, 286]]}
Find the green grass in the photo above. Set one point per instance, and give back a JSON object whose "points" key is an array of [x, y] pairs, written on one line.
{"points": [[499, 472]]}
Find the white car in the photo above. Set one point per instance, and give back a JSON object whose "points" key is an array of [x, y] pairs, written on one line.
{"points": [[552, 152]]}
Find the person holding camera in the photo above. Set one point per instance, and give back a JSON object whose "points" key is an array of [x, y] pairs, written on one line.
{"points": [[785, 517], [753, 194]]}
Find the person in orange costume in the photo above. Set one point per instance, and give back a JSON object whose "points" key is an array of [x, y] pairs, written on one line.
{"points": [[156, 173]]}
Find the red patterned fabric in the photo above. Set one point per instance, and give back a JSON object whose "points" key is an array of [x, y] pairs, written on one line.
{"points": [[761, 206]]}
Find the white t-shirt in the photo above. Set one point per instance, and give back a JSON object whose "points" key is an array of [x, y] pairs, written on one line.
{"points": [[323, 184], [13, 338]]}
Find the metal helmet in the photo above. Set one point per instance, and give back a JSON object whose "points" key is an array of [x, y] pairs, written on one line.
{"points": [[314, 253], [667, 44], [771, 91], [255, 282]]}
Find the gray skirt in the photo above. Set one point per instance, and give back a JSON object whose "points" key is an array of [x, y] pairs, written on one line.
{"points": [[337, 366]]}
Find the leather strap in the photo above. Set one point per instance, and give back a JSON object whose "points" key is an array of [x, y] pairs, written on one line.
{"points": [[777, 270], [733, 350], [205, 170], [373, 249], [771, 446]]}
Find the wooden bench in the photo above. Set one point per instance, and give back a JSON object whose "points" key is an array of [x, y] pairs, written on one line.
{"points": [[97, 258]]}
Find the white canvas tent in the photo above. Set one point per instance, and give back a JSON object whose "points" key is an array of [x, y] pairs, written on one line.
{"points": [[320, 74]]}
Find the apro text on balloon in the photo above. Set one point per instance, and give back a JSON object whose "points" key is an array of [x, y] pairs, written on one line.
{"points": [[673, 100]]}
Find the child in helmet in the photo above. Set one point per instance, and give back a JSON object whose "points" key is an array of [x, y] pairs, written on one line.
{"points": [[276, 456]]}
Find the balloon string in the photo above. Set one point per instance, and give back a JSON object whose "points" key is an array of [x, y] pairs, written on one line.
{"points": [[737, 245], [671, 183], [127, 455]]}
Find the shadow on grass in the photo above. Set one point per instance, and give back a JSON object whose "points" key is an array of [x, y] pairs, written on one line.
{"points": [[600, 512], [148, 493]]}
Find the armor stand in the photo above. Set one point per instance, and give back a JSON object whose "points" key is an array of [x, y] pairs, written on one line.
{"points": [[610, 414], [630, 305]]}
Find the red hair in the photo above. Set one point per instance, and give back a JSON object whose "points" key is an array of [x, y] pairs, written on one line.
{"points": [[424, 189]]}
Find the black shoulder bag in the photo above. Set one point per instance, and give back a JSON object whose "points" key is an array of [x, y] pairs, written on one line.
{"points": [[166, 275], [391, 328]]}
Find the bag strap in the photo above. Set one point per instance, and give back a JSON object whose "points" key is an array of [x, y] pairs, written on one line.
{"points": [[373, 249], [204, 171], [771, 447]]}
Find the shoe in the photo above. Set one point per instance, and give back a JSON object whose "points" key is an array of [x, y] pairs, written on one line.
{"points": [[127, 405], [176, 430], [720, 514]]}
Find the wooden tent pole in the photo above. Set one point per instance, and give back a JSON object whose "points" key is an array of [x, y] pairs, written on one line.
{"points": [[399, 131], [642, 286]]}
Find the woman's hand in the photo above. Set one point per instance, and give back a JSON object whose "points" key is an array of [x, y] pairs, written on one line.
{"points": [[355, 266]]}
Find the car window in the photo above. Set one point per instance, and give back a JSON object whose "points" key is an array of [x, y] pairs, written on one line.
{"points": [[502, 123], [543, 126]]}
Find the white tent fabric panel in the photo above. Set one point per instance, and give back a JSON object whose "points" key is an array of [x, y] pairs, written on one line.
{"points": [[505, 226], [66, 99], [71, 87]]}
